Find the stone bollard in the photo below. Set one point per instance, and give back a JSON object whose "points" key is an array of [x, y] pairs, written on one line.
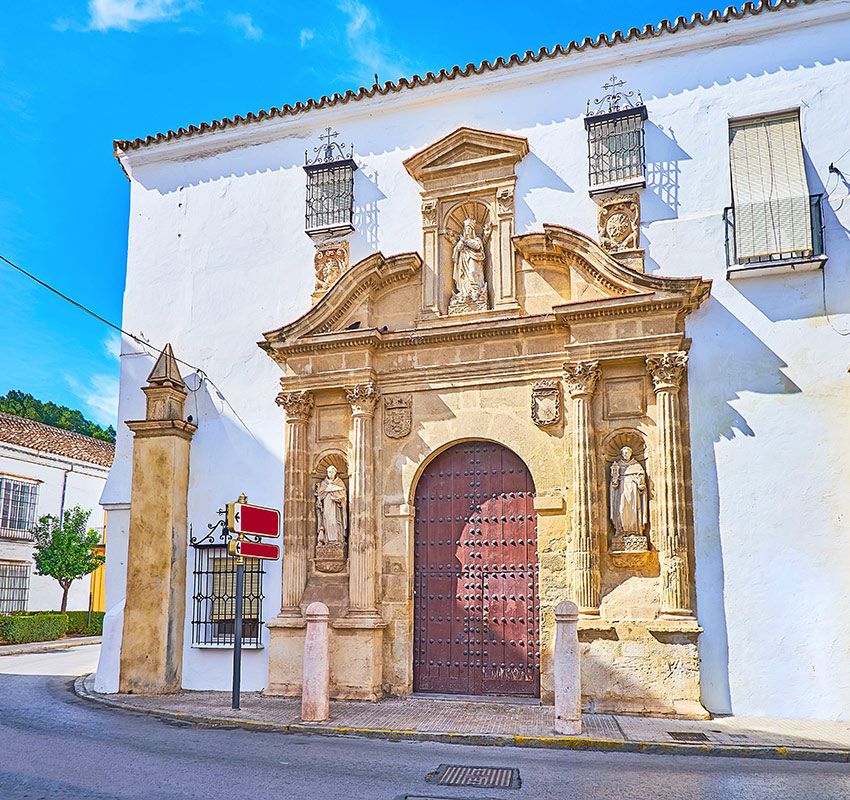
{"points": [[315, 685], [567, 669]]}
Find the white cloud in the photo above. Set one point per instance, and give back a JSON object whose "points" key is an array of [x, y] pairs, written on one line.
{"points": [[127, 15], [366, 46], [244, 23], [99, 392], [306, 36]]}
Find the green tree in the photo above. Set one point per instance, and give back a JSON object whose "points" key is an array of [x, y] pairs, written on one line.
{"points": [[65, 551], [22, 404]]}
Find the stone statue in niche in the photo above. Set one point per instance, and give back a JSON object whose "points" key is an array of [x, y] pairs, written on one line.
{"points": [[469, 257], [331, 522], [628, 503]]}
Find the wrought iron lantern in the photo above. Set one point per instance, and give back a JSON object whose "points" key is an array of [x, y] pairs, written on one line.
{"points": [[330, 187], [615, 139]]}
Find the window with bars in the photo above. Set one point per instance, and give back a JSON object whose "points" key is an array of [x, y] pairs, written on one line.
{"points": [[773, 217], [14, 586], [330, 197], [615, 149], [18, 503], [214, 598]]}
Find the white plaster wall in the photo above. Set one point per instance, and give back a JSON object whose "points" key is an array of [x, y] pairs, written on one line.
{"points": [[84, 485], [217, 255]]}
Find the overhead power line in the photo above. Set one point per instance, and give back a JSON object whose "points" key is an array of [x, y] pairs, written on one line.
{"points": [[138, 339]]}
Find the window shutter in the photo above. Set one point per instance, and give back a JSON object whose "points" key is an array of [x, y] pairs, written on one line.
{"points": [[769, 189]]}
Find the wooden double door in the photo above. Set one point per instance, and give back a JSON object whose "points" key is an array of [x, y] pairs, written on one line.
{"points": [[476, 604]]}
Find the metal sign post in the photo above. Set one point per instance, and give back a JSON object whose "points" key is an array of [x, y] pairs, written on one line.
{"points": [[237, 631], [242, 520]]}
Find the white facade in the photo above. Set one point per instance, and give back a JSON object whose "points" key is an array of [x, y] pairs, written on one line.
{"points": [[218, 254], [62, 484]]}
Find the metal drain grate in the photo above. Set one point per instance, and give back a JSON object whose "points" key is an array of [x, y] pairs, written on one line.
{"points": [[480, 777], [687, 736]]}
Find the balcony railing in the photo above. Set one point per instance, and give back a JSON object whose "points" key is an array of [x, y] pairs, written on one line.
{"points": [[12, 534], [780, 261]]}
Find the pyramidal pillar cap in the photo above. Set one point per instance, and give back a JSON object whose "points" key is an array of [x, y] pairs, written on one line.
{"points": [[166, 371]]}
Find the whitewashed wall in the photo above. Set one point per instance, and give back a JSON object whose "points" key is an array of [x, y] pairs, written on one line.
{"points": [[84, 485], [217, 255]]}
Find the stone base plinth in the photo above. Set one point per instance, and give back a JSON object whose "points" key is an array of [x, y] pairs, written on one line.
{"points": [[637, 667], [356, 647]]}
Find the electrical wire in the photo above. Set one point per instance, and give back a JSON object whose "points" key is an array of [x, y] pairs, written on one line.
{"points": [[138, 339]]}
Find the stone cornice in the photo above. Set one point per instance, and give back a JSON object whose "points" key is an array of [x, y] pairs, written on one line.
{"points": [[151, 428]]}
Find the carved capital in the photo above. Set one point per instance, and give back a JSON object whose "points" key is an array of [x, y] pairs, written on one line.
{"points": [[297, 405], [581, 377], [505, 200], [429, 213], [362, 397], [667, 370]]}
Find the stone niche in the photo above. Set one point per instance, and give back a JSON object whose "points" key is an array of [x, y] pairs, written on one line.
{"points": [[575, 358], [468, 179]]}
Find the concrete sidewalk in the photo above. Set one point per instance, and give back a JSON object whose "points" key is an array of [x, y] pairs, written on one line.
{"points": [[497, 723], [44, 647]]}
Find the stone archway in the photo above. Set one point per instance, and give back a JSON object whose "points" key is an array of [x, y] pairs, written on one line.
{"points": [[476, 605]]}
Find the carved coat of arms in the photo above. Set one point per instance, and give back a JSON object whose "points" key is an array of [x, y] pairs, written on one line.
{"points": [[546, 402], [398, 414]]}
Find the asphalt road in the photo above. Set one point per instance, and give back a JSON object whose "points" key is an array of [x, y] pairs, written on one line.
{"points": [[54, 745]]}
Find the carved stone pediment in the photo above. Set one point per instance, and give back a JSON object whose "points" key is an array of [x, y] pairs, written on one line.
{"points": [[490, 154]]}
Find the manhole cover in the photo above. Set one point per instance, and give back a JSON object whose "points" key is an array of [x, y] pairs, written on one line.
{"points": [[687, 736], [480, 777]]}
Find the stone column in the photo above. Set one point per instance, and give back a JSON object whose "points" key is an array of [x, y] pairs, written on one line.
{"points": [[361, 537], [567, 669], [296, 498], [667, 371], [315, 685], [155, 610], [581, 378]]}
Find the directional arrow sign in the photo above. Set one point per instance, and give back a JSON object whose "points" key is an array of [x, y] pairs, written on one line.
{"points": [[253, 520], [269, 552]]}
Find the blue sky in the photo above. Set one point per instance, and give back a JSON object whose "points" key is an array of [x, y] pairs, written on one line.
{"points": [[77, 74]]}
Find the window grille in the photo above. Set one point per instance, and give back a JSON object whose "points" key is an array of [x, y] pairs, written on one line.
{"points": [[18, 503], [14, 586], [615, 148], [214, 597], [770, 194], [330, 187]]}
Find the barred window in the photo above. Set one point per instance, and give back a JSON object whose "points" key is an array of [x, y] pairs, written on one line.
{"points": [[214, 598], [615, 147], [330, 197], [18, 503], [14, 586]]}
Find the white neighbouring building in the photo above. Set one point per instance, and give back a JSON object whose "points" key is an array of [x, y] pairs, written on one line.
{"points": [[46, 470], [723, 155]]}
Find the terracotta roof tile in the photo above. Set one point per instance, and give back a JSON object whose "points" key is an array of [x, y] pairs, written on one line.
{"points": [[38, 436], [748, 9]]}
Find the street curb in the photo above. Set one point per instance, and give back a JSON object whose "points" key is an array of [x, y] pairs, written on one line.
{"points": [[485, 739], [46, 647]]}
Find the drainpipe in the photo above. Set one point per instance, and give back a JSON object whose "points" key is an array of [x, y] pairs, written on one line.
{"points": [[62, 497]]}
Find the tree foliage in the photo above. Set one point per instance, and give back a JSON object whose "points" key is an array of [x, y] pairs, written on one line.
{"points": [[25, 405], [65, 551]]}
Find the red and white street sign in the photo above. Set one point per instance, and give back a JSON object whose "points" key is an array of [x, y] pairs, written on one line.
{"points": [[263, 550], [253, 520]]}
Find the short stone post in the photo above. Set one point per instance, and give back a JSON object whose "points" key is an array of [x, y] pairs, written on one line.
{"points": [[315, 684], [567, 669]]}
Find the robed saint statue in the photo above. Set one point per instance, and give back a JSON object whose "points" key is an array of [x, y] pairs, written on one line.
{"points": [[628, 495], [331, 511]]}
